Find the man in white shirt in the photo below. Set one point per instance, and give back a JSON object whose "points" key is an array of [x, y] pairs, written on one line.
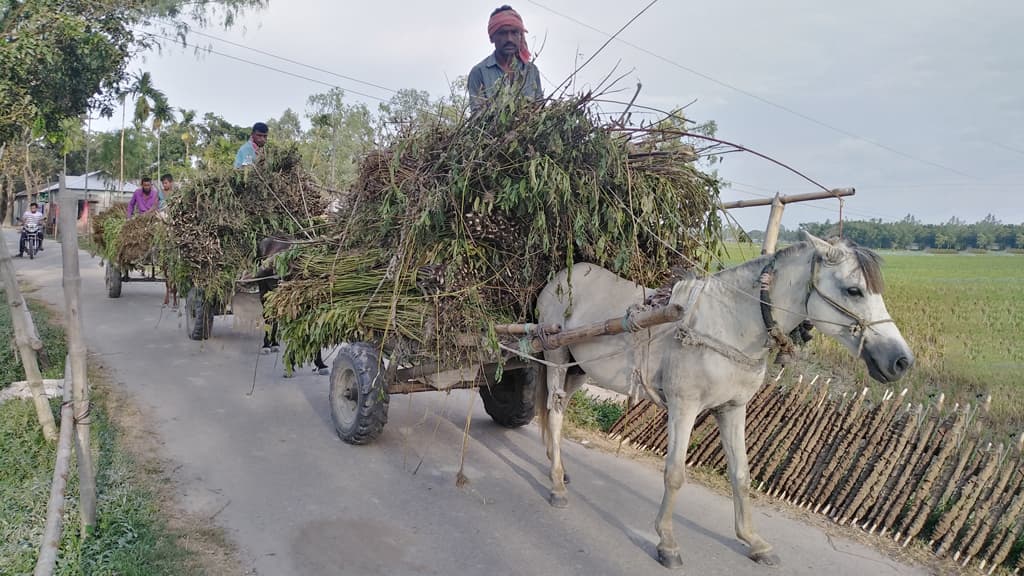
{"points": [[31, 216]]}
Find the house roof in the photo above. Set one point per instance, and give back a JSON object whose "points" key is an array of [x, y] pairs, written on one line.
{"points": [[98, 181]]}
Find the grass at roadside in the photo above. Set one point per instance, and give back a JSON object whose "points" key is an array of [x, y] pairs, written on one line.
{"points": [[132, 537], [593, 413], [51, 360]]}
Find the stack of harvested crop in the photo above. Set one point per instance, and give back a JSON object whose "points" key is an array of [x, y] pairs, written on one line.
{"points": [[459, 224], [216, 220], [125, 242], [106, 230], [137, 238]]}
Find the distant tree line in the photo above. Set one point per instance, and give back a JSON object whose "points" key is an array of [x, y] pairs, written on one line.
{"points": [[911, 233]]}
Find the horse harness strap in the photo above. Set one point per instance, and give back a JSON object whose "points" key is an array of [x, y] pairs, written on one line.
{"points": [[688, 337], [777, 339], [859, 326]]}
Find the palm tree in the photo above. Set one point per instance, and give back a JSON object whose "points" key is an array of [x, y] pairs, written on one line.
{"points": [[162, 112], [188, 132], [147, 100]]}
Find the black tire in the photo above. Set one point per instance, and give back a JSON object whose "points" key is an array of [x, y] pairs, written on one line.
{"points": [[359, 396], [199, 315], [510, 402], [113, 278], [30, 247]]}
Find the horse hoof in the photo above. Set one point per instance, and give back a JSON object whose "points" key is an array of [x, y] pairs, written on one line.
{"points": [[288, 375], [265, 350], [559, 500], [670, 559], [765, 558], [275, 348], [323, 371]]}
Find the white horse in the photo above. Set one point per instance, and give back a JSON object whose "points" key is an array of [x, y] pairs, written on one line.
{"points": [[715, 358]]}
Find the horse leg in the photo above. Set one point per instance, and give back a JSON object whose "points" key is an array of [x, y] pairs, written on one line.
{"points": [[274, 344], [555, 400], [680, 425], [731, 424], [267, 328]]}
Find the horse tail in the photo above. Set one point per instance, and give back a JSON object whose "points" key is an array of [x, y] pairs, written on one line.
{"points": [[540, 402]]}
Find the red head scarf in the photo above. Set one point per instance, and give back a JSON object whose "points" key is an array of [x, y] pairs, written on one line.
{"points": [[510, 18]]}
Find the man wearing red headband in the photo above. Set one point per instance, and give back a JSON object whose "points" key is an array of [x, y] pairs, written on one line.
{"points": [[510, 63]]}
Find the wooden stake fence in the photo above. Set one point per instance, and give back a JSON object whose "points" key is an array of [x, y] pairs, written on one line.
{"points": [[902, 471], [27, 341], [72, 282], [50, 547]]}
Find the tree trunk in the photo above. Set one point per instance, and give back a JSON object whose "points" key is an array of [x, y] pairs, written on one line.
{"points": [[28, 344], [120, 182], [157, 154], [76, 351], [50, 546]]}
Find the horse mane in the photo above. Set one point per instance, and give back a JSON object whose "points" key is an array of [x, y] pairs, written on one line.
{"points": [[868, 260], [870, 264]]}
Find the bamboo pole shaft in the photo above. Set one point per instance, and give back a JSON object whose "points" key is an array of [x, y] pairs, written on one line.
{"points": [[50, 546], [771, 233], [72, 282], [791, 198], [665, 314], [24, 332]]}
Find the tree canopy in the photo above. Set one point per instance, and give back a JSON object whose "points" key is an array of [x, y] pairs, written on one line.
{"points": [[62, 58]]}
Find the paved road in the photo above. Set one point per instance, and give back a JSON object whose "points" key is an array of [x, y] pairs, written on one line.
{"points": [[269, 469]]}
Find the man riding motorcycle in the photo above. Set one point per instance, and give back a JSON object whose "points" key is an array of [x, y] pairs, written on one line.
{"points": [[31, 222]]}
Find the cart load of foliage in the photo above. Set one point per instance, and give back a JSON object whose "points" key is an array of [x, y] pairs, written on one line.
{"points": [[216, 220], [126, 242], [460, 222]]}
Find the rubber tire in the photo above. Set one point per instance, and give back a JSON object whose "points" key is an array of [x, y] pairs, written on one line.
{"points": [[358, 396], [200, 315], [113, 278], [510, 402]]}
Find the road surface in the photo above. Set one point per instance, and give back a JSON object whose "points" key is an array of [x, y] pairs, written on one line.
{"points": [[269, 469]]}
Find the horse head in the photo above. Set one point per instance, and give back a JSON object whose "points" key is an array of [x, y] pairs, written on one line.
{"points": [[844, 301]]}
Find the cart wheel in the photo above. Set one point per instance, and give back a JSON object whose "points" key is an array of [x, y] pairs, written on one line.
{"points": [[359, 397], [113, 277], [510, 402], [199, 315]]}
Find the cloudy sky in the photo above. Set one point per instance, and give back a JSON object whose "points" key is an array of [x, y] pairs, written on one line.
{"points": [[919, 104]]}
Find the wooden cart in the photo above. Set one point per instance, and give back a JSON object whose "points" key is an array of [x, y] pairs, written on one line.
{"points": [[118, 274], [362, 384]]}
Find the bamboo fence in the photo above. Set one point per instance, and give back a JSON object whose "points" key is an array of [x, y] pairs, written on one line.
{"points": [[904, 471]]}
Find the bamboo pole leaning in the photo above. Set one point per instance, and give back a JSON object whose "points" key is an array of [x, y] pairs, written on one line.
{"points": [[27, 342], [72, 282], [50, 546]]}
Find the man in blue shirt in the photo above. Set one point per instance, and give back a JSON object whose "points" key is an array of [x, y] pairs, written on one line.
{"points": [[252, 148], [510, 62]]}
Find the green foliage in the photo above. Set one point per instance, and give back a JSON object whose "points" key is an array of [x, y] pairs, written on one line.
{"points": [[476, 214], [954, 235], [593, 413], [216, 220]]}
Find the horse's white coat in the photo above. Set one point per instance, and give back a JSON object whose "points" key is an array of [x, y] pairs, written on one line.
{"points": [[693, 378]]}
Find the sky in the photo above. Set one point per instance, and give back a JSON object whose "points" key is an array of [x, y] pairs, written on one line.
{"points": [[918, 104]]}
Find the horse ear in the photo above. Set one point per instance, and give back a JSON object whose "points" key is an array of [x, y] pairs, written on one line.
{"points": [[820, 245], [829, 253]]}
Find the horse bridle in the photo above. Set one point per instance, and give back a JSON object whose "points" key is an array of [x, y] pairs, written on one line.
{"points": [[782, 341]]}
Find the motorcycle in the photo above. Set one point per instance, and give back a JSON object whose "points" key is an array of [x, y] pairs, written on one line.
{"points": [[33, 236]]}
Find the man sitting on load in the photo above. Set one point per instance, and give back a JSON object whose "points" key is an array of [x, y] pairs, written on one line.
{"points": [[509, 63], [250, 151], [143, 199]]}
